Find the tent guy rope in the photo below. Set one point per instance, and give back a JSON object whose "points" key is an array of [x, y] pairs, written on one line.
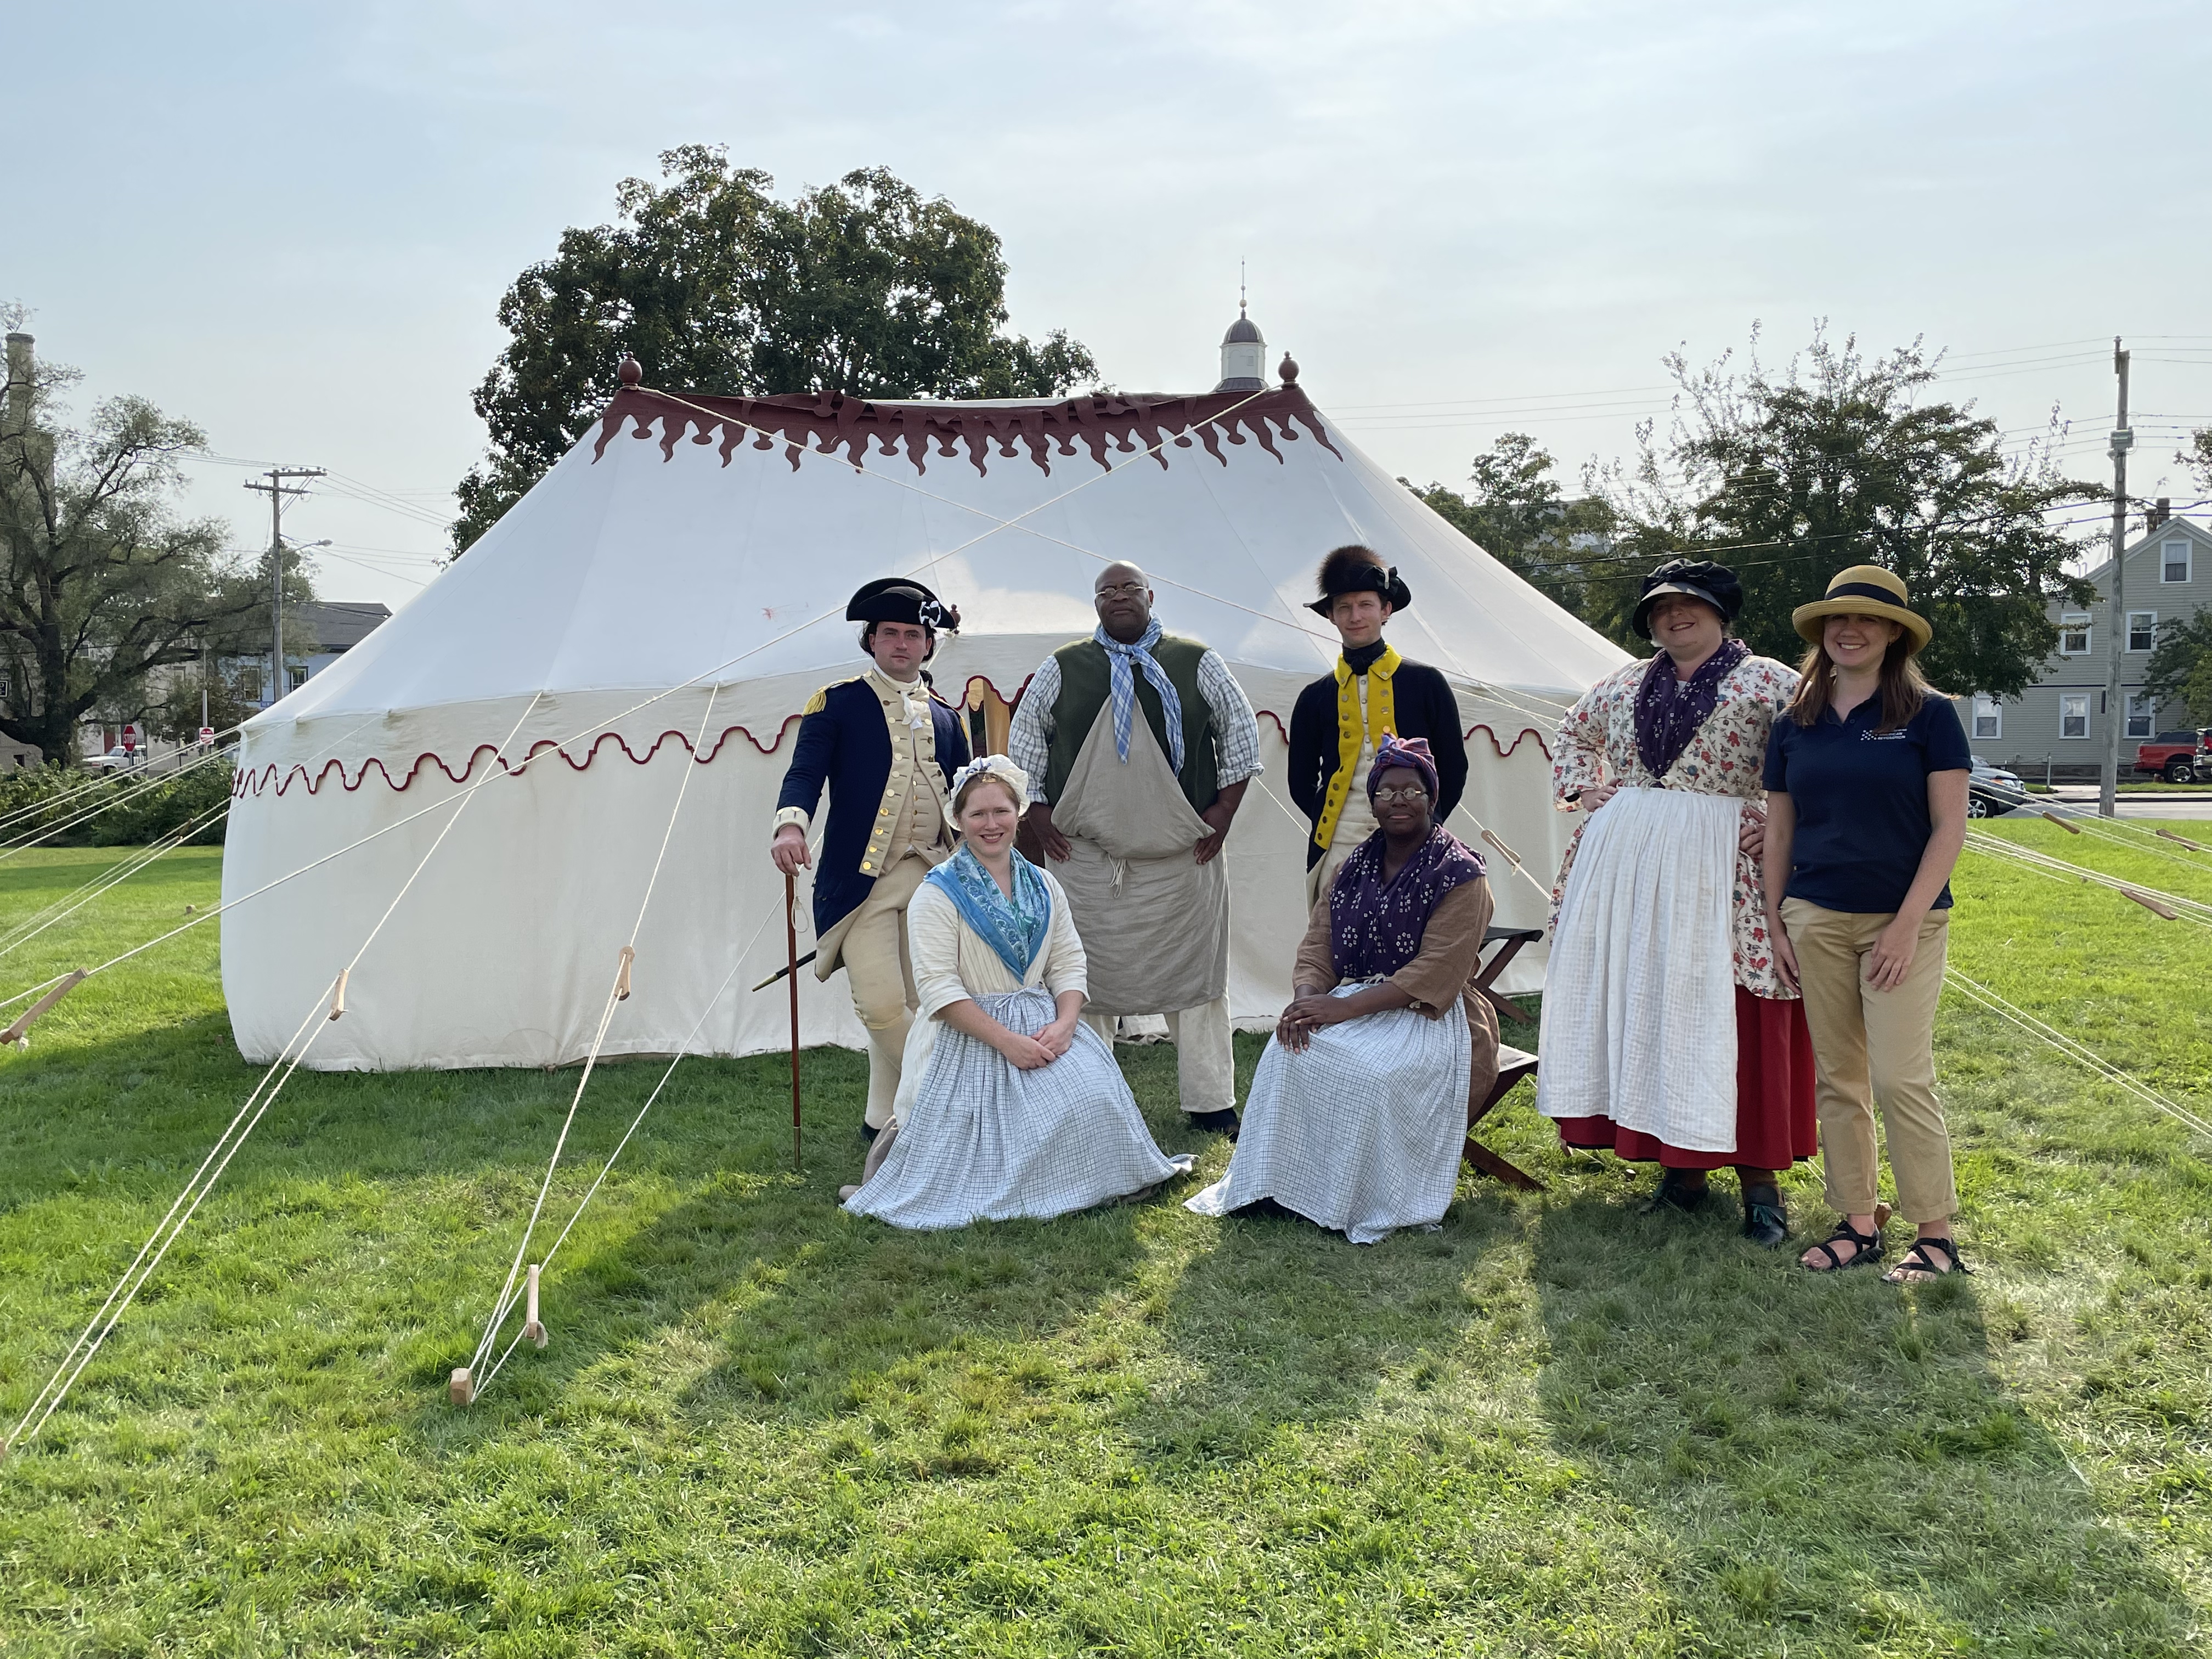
{"points": [[463, 1384], [327, 1007]]}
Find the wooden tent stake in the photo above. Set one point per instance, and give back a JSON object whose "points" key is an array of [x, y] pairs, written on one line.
{"points": [[532, 1326], [2184, 839], [16, 1033], [461, 1390], [791, 947], [622, 974], [2152, 904], [2070, 829], [337, 997]]}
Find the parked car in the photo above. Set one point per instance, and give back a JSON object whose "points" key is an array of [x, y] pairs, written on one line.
{"points": [[115, 760], [1991, 791], [2176, 756]]}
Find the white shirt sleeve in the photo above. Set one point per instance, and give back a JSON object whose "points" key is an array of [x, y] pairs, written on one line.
{"points": [[932, 931], [1235, 727], [1029, 739]]}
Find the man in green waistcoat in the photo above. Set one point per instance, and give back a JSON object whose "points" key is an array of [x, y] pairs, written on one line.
{"points": [[1139, 745]]}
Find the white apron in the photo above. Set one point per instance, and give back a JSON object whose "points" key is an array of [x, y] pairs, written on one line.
{"points": [[1639, 996]]}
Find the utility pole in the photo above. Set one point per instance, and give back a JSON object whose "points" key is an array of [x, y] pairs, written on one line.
{"points": [[276, 489], [2116, 616]]}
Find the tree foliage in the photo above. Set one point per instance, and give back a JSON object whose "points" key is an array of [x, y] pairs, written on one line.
{"points": [[2180, 668], [1516, 512], [1838, 460], [863, 287], [100, 583]]}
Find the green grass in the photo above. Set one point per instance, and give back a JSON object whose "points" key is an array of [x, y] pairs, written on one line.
{"points": [[1555, 1426]]}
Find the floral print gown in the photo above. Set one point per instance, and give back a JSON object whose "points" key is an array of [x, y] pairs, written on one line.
{"points": [[1726, 756]]}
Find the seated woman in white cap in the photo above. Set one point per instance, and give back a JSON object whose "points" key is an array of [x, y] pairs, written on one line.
{"points": [[1007, 1104]]}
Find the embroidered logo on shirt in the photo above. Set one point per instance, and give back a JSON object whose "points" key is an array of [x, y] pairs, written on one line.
{"points": [[1897, 736]]}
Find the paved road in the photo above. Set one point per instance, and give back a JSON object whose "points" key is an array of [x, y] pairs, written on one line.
{"points": [[2197, 807]]}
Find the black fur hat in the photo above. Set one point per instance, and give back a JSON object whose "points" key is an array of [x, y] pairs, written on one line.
{"points": [[1701, 579], [1356, 570]]}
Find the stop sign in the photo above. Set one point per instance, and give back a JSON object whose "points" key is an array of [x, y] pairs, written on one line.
{"points": [[130, 738], [207, 736]]}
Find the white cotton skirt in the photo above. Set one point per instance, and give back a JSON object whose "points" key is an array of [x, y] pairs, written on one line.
{"points": [[1360, 1132], [1640, 995], [987, 1141]]}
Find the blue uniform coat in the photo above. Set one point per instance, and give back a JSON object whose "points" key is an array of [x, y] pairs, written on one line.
{"points": [[845, 744]]}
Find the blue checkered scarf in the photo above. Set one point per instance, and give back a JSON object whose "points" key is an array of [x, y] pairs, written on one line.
{"points": [[1123, 684]]}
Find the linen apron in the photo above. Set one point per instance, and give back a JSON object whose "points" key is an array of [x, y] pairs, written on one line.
{"points": [[1154, 921]]}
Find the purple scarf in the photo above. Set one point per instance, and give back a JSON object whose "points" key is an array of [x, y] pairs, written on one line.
{"points": [[1668, 711], [1375, 927]]}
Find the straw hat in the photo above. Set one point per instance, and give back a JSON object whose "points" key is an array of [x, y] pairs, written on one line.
{"points": [[1864, 589]]}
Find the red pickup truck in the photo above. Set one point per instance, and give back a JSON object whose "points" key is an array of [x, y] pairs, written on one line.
{"points": [[2178, 757]]}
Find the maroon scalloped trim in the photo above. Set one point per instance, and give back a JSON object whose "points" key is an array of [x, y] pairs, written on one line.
{"points": [[832, 423], [257, 779]]}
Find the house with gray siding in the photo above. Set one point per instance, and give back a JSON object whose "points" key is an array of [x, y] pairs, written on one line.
{"points": [[2060, 721]]}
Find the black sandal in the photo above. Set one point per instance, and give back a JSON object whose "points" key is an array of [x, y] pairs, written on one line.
{"points": [[1921, 1260], [1869, 1248]]}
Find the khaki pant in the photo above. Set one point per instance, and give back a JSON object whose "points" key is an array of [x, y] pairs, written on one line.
{"points": [[1206, 1060], [1872, 1046], [880, 969]]}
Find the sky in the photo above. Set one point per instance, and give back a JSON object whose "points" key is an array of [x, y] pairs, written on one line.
{"points": [[293, 224]]}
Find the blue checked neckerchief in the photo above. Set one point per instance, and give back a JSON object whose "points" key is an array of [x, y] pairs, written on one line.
{"points": [[1015, 929], [1123, 684]]}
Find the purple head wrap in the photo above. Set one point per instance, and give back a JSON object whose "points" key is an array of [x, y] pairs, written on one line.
{"points": [[1411, 753]]}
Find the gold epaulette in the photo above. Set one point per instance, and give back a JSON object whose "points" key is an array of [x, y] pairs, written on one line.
{"points": [[820, 699]]}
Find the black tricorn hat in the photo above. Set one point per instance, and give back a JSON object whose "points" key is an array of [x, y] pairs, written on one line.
{"points": [[902, 600], [1701, 578], [1356, 570]]}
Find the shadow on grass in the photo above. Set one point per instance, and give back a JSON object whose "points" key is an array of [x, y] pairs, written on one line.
{"points": [[1821, 1462]]}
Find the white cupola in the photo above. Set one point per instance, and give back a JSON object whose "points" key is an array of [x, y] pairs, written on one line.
{"points": [[1244, 354]]}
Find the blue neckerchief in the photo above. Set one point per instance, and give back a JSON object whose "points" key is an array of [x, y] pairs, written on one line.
{"points": [[1014, 932], [1123, 684]]}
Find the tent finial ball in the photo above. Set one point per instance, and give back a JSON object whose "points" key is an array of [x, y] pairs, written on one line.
{"points": [[629, 372], [1288, 370]]}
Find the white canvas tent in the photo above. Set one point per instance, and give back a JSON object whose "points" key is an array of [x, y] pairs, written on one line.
{"points": [[679, 579]]}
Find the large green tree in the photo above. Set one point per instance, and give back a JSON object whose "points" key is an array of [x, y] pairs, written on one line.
{"points": [[864, 287], [1516, 512], [100, 582], [1837, 458]]}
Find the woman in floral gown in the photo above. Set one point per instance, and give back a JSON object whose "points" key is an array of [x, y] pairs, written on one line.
{"points": [[1668, 1036]]}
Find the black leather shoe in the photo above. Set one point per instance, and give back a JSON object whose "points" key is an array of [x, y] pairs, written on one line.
{"points": [[1226, 1123], [1676, 1191], [1765, 1221]]}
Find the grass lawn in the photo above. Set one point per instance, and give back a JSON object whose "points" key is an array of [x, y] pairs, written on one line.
{"points": [[1555, 1426]]}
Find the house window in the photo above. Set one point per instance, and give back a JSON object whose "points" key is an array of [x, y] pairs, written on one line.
{"points": [[1988, 717], [2073, 715], [2142, 629], [2074, 634], [2142, 714], [2174, 560]]}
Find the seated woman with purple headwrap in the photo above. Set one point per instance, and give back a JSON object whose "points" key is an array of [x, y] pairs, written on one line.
{"points": [[1356, 1117]]}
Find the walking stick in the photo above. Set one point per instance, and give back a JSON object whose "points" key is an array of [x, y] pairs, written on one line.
{"points": [[790, 942]]}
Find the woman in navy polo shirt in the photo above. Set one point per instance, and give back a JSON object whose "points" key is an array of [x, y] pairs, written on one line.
{"points": [[1866, 782]]}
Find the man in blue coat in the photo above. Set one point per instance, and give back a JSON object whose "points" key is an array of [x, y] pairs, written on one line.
{"points": [[887, 746]]}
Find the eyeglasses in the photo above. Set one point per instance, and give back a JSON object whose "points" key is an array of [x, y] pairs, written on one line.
{"points": [[1123, 591], [1397, 797]]}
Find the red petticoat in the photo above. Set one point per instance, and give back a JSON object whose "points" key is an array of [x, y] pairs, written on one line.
{"points": [[1775, 1122]]}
